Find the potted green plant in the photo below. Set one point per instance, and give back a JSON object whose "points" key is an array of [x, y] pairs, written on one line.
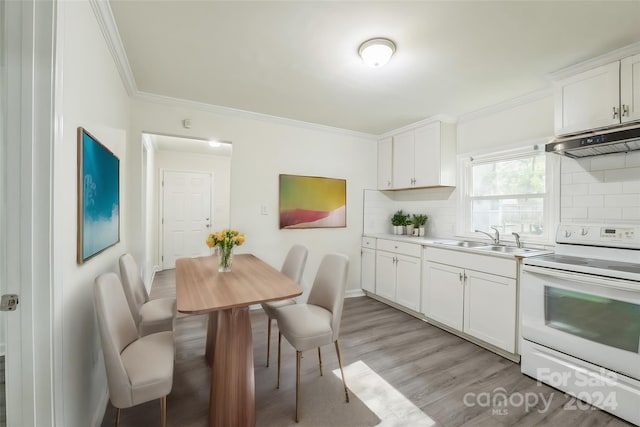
{"points": [[398, 220], [408, 224], [419, 221]]}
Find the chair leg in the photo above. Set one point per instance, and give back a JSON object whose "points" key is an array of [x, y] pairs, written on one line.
{"points": [[346, 393], [320, 360], [117, 417], [279, 346], [298, 354], [268, 338], [163, 411]]}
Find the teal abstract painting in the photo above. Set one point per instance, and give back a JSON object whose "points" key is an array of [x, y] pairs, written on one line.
{"points": [[98, 197]]}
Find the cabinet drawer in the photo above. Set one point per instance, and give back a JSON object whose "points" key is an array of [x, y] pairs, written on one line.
{"points": [[410, 249], [472, 261], [369, 242]]}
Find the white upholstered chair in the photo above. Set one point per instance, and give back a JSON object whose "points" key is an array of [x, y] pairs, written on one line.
{"points": [[292, 267], [139, 369], [317, 322], [150, 316]]}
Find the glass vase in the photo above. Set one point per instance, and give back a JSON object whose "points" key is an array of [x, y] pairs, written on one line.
{"points": [[225, 258]]}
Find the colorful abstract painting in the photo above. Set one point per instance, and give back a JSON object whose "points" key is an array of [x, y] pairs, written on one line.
{"points": [[98, 197], [312, 202]]}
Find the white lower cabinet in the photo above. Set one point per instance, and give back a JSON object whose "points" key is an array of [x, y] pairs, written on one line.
{"points": [[442, 299], [481, 304], [368, 270], [490, 309], [398, 268], [408, 282], [386, 275]]}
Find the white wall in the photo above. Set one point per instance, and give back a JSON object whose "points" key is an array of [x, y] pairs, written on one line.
{"points": [[149, 183], [218, 166], [94, 98], [263, 149], [522, 121]]}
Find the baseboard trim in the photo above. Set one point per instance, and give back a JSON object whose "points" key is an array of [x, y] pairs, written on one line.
{"points": [[353, 293], [101, 410]]}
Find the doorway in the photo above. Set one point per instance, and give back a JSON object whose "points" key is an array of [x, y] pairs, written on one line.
{"points": [[163, 154]]}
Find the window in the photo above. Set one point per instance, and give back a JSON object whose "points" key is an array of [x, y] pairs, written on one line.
{"points": [[509, 190]]}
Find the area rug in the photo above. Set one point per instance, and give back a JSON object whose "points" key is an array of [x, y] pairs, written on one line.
{"points": [[322, 402]]}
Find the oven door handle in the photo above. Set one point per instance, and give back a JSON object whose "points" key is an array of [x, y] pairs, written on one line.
{"points": [[585, 278]]}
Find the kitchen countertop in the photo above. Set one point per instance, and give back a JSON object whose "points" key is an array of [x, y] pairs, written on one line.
{"points": [[438, 243]]}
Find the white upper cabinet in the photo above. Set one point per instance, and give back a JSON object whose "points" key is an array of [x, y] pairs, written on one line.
{"points": [[604, 96], [403, 159], [424, 157], [385, 159], [630, 88], [588, 100]]}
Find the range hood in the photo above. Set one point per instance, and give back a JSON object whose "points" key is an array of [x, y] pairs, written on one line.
{"points": [[606, 141]]}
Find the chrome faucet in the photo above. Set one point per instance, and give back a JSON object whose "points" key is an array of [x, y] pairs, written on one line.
{"points": [[517, 236], [496, 238]]}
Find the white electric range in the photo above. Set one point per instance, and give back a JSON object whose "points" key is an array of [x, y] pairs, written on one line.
{"points": [[581, 316]]}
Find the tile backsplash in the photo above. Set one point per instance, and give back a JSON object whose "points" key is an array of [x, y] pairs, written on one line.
{"points": [[601, 189], [439, 204]]}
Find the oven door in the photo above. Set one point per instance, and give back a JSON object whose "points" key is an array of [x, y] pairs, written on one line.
{"points": [[592, 318]]}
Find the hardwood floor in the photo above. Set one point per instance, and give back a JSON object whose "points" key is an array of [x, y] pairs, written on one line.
{"points": [[434, 369]]}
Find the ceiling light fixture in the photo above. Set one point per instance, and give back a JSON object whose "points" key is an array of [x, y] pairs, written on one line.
{"points": [[376, 52]]}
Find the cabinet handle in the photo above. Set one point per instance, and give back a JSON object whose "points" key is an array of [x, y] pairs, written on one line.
{"points": [[388, 183], [615, 112], [625, 110], [460, 277]]}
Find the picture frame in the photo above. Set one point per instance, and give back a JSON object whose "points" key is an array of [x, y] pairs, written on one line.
{"points": [[98, 197], [312, 202]]}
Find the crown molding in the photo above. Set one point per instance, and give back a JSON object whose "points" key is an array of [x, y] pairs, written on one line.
{"points": [[614, 55], [109, 29], [234, 112], [506, 105], [445, 118]]}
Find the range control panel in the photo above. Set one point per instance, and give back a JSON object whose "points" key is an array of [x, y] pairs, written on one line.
{"points": [[623, 236]]}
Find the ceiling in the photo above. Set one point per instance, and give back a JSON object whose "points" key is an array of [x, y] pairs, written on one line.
{"points": [[298, 59]]}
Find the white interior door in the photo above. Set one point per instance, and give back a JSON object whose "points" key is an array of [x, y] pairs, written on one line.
{"points": [[186, 217]]}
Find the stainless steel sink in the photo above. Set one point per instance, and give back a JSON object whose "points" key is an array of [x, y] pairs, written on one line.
{"points": [[463, 243], [506, 249]]}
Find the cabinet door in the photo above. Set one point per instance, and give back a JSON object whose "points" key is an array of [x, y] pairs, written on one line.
{"points": [[490, 309], [587, 100], [385, 162], [427, 155], [368, 270], [630, 88], [443, 293], [408, 282], [403, 160], [386, 275]]}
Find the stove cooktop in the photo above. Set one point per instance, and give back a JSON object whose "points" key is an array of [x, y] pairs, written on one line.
{"points": [[596, 266]]}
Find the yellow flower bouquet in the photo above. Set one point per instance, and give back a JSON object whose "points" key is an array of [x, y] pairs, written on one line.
{"points": [[224, 241]]}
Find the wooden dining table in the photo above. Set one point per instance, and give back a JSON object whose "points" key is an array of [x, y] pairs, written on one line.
{"points": [[226, 297]]}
